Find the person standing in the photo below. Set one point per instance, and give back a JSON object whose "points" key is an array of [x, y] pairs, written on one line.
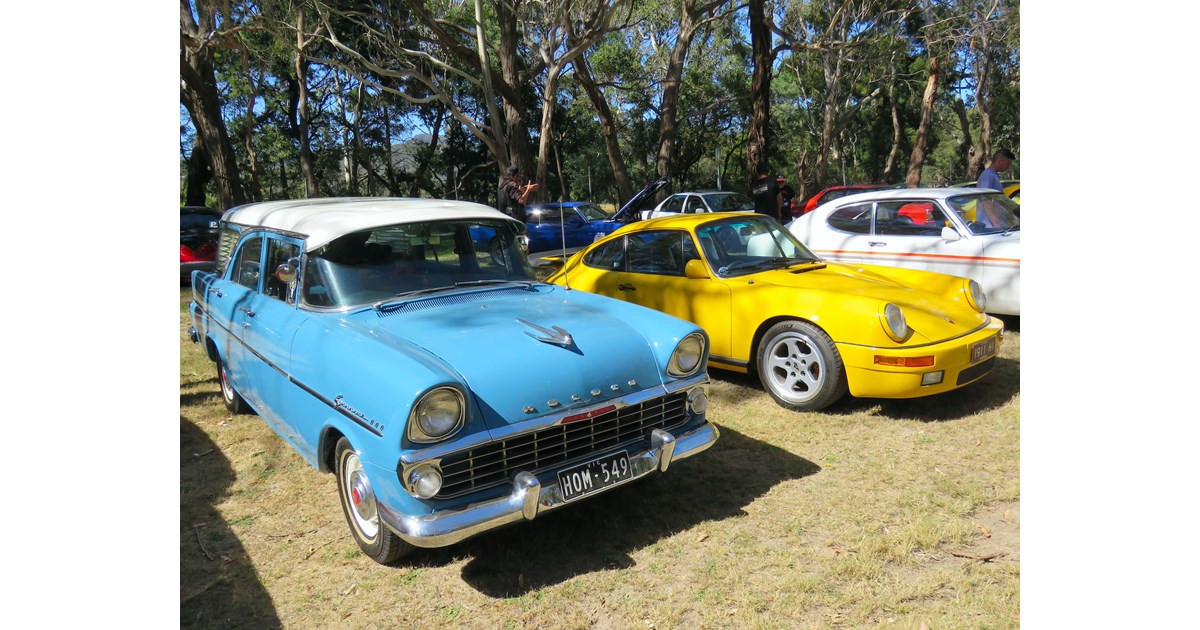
{"points": [[990, 177], [767, 197], [512, 193]]}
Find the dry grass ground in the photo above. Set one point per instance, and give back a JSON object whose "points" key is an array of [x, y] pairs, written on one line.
{"points": [[873, 514]]}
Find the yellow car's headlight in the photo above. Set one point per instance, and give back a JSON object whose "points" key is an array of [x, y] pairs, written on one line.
{"points": [[437, 415], [894, 323], [975, 295], [686, 358]]}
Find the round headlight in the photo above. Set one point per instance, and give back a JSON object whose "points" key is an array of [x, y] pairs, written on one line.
{"points": [[425, 481], [975, 296], [436, 416], [894, 323], [686, 358]]}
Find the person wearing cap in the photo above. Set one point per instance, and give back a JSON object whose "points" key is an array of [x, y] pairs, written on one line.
{"points": [[512, 193]]}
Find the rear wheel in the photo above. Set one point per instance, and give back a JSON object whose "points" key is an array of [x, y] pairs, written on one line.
{"points": [[800, 367], [233, 400], [362, 511]]}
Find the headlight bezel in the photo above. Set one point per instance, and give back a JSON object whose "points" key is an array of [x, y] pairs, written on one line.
{"points": [[675, 366], [420, 432], [894, 323], [976, 298]]}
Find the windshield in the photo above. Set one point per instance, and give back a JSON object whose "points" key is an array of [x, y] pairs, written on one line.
{"points": [[986, 213], [593, 212], [749, 243], [729, 202], [382, 263]]}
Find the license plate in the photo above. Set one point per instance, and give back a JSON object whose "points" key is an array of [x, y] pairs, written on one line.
{"points": [[594, 476], [981, 350]]}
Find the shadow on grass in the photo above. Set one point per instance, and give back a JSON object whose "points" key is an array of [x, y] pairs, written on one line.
{"points": [[218, 587], [599, 533], [990, 392]]}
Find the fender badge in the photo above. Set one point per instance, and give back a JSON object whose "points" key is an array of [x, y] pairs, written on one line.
{"points": [[556, 336]]}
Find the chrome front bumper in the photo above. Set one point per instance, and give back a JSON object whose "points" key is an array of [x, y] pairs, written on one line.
{"points": [[530, 498]]}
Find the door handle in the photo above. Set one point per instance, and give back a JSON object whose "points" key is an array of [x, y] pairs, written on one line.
{"points": [[247, 311], [876, 243], [626, 287]]}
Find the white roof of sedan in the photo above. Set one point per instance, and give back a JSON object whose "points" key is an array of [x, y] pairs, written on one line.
{"points": [[905, 193], [321, 220]]}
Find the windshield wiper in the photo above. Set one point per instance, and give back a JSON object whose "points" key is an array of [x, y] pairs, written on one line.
{"points": [[772, 262]]}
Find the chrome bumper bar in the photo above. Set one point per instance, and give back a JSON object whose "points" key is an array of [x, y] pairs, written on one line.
{"points": [[530, 498]]}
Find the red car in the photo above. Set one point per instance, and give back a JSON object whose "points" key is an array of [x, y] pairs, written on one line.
{"points": [[197, 240], [835, 192]]}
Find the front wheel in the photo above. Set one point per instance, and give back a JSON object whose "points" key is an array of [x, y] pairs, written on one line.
{"points": [[800, 367], [233, 400], [362, 512]]}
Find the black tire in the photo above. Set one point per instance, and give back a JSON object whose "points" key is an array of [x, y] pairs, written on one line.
{"points": [[233, 400], [800, 367], [358, 505]]}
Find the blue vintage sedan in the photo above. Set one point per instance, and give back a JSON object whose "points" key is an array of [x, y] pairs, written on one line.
{"points": [[447, 390]]}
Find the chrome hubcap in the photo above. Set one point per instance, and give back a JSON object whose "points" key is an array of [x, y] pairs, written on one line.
{"points": [[793, 368], [361, 497]]}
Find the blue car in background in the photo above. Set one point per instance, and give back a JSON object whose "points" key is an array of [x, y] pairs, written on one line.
{"points": [[550, 225]]}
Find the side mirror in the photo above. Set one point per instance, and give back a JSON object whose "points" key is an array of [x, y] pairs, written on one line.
{"points": [[950, 234], [286, 273], [695, 269]]}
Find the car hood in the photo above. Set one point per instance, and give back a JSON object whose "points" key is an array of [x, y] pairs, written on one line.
{"points": [[490, 338], [862, 289], [629, 210]]}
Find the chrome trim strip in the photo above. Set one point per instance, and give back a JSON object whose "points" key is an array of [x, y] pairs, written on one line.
{"points": [[529, 498]]}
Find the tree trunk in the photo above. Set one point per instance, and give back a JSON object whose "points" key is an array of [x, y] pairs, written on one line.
{"points": [[889, 168], [608, 128], [198, 92], [668, 131], [917, 161], [759, 133], [517, 130], [300, 65], [199, 174]]}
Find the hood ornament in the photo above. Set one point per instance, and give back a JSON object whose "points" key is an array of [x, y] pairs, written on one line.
{"points": [[555, 335]]}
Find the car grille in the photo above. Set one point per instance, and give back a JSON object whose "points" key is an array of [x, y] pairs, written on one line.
{"points": [[498, 462]]}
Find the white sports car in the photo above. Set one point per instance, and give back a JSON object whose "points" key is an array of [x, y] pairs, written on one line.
{"points": [[969, 232], [701, 201]]}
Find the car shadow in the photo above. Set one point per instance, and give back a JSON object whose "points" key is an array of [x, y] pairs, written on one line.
{"points": [[599, 533], [218, 586], [989, 392]]}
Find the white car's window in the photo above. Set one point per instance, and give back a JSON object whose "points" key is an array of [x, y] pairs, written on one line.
{"points": [[673, 204], [911, 217], [855, 219], [694, 205], [729, 202], [987, 213]]}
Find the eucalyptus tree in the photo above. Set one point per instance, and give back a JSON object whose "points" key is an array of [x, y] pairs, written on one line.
{"points": [[206, 27], [560, 31], [988, 31]]}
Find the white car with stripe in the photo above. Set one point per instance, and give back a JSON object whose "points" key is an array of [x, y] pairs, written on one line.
{"points": [[969, 232]]}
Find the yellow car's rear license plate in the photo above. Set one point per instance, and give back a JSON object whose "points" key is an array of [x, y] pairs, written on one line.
{"points": [[981, 350]]}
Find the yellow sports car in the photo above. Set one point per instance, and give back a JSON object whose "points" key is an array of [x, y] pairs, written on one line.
{"points": [[810, 329]]}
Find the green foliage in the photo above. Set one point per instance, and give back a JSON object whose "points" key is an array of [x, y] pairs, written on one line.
{"points": [[838, 74]]}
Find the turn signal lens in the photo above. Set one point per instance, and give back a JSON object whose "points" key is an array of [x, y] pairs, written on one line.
{"points": [[908, 362]]}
